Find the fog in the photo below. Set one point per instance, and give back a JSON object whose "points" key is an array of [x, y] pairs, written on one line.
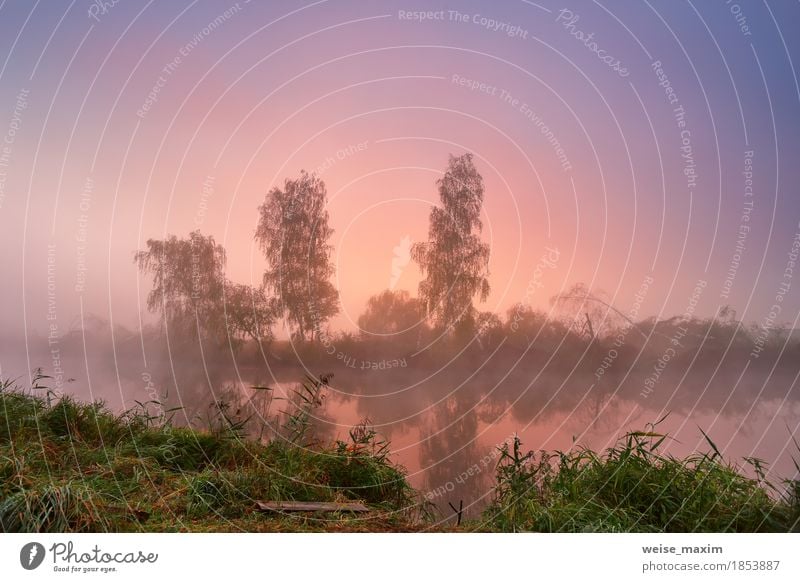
{"points": [[446, 404]]}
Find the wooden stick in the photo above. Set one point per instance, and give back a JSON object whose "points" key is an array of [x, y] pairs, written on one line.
{"points": [[310, 506], [457, 511]]}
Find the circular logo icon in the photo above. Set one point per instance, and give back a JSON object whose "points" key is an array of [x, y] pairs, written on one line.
{"points": [[31, 555]]}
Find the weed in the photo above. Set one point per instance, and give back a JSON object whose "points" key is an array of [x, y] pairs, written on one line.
{"points": [[633, 487], [67, 466]]}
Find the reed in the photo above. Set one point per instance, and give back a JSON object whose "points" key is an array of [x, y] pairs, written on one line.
{"points": [[68, 466], [633, 487]]}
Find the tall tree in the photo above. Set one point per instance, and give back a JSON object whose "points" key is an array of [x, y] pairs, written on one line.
{"points": [[293, 233], [188, 279], [191, 292], [454, 260]]}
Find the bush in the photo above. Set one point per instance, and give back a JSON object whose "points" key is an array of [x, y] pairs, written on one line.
{"points": [[632, 487]]}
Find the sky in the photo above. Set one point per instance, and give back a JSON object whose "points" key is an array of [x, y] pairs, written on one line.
{"points": [[619, 143]]}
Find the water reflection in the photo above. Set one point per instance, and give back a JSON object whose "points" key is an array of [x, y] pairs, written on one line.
{"points": [[446, 413]]}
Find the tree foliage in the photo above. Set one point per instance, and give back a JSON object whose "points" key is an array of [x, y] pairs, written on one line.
{"points": [[390, 313], [454, 260], [590, 313], [248, 312], [488, 329], [192, 294], [188, 278], [293, 233]]}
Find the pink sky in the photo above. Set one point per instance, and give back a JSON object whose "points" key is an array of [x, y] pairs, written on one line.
{"points": [[267, 92]]}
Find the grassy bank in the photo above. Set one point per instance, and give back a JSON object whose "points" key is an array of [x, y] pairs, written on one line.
{"points": [[633, 487], [70, 466]]}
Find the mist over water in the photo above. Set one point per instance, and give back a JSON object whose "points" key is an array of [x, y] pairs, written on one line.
{"points": [[446, 410]]}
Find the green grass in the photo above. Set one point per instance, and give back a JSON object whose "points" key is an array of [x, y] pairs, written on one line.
{"points": [[632, 487], [67, 466]]}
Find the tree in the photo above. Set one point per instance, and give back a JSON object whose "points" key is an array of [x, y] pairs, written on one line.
{"points": [[590, 314], [188, 280], [248, 312], [293, 233], [526, 325], [390, 313], [454, 260], [191, 292], [488, 329]]}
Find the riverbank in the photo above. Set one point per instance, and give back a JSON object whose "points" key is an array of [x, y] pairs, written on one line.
{"points": [[67, 466]]}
